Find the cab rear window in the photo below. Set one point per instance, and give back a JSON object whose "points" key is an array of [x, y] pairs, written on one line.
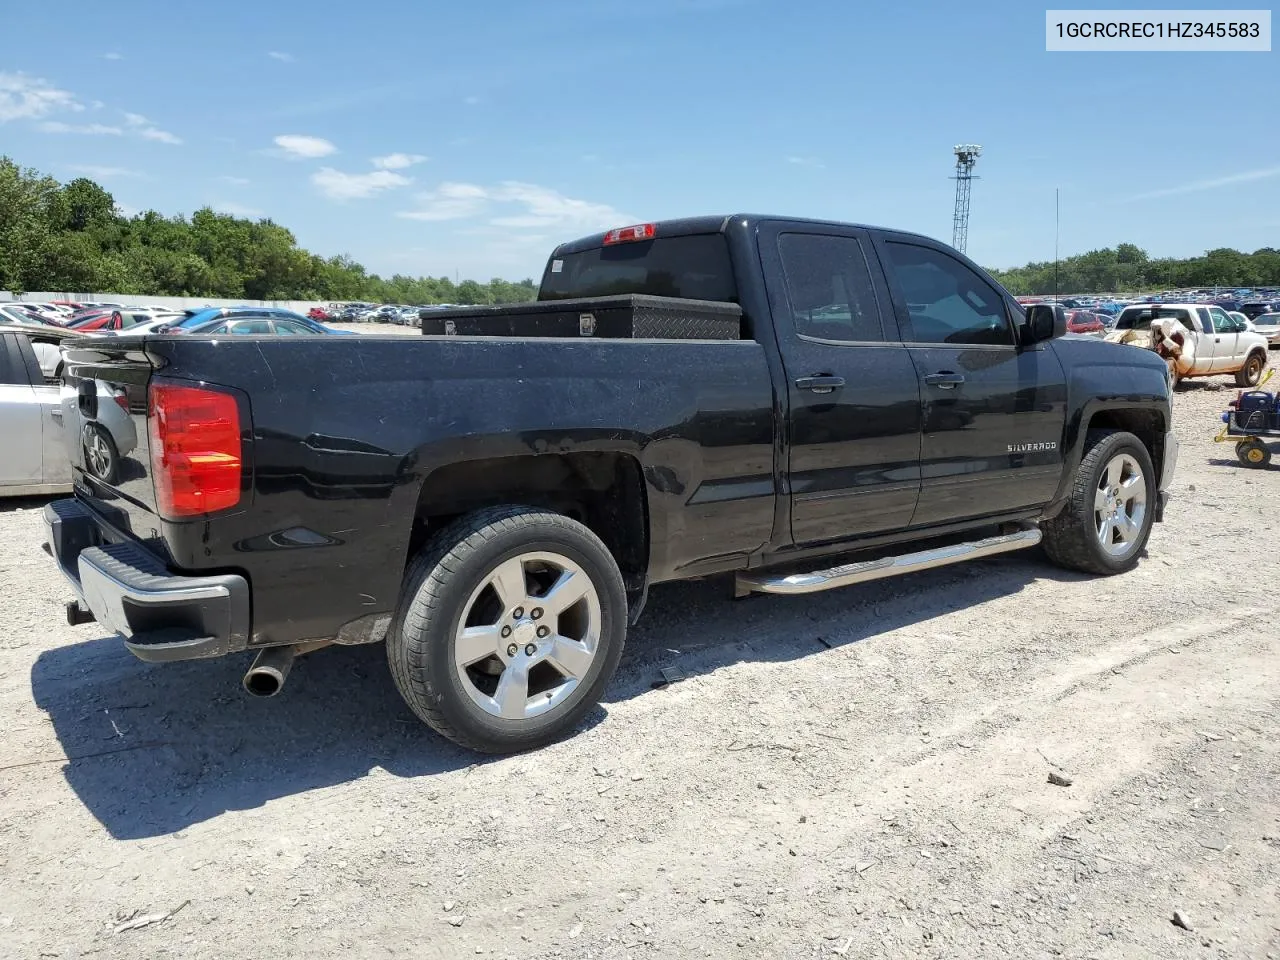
{"points": [[1139, 318], [696, 267]]}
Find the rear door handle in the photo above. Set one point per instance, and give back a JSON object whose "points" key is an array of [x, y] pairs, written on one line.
{"points": [[820, 384], [944, 379]]}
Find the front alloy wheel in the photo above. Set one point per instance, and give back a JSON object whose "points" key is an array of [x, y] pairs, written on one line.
{"points": [[1120, 505]]}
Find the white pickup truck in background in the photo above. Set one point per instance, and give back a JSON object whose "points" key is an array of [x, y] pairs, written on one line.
{"points": [[1196, 339]]}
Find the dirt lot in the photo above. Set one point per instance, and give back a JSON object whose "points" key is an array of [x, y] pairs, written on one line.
{"points": [[862, 773]]}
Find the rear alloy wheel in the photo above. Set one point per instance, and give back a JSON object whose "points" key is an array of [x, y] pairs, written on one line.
{"points": [[1251, 372], [1107, 520], [512, 622], [528, 636]]}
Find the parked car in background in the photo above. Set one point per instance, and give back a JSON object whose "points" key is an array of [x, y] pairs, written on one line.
{"points": [[147, 326], [1085, 322], [1256, 308], [123, 319], [46, 344], [19, 315], [265, 327], [35, 458], [1204, 341], [48, 311], [1241, 318], [1267, 325], [319, 314], [200, 319]]}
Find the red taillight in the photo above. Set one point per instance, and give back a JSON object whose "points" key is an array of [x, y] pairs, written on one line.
{"points": [[641, 231], [195, 449], [122, 401]]}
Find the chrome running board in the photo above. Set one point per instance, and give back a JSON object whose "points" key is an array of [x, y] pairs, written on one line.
{"points": [[851, 573]]}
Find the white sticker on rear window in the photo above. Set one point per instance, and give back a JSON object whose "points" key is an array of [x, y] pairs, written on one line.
{"points": [[557, 266]]}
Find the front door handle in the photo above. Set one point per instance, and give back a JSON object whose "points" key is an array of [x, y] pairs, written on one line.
{"points": [[944, 379], [820, 384]]}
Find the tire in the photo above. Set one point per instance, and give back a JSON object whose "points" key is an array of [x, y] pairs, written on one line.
{"points": [[462, 575], [1253, 453], [1251, 372], [101, 456], [1075, 537]]}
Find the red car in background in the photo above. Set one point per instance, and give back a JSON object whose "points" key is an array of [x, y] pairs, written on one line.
{"points": [[1082, 321], [91, 321], [319, 313]]}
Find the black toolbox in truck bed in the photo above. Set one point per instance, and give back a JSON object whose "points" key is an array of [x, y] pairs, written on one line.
{"points": [[628, 316]]}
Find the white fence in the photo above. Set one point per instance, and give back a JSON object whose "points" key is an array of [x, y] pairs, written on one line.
{"points": [[176, 303]]}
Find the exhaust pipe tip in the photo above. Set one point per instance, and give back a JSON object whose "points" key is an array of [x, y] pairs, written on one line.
{"points": [[263, 683], [270, 669]]}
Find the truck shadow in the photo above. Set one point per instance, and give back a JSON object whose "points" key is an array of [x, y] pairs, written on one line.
{"points": [[156, 749]]}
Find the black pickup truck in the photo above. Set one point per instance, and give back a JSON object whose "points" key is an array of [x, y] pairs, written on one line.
{"points": [[495, 508]]}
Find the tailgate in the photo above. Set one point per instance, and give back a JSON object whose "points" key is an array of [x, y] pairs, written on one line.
{"points": [[104, 418]]}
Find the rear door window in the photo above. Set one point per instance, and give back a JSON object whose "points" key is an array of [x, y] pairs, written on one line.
{"points": [[829, 288], [696, 267]]}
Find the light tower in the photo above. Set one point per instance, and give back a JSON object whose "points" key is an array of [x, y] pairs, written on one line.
{"points": [[966, 156]]}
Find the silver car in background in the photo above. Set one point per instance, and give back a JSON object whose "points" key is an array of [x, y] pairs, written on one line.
{"points": [[35, 459]]}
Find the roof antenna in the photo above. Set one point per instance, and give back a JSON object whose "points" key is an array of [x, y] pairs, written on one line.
{"points": [[1055, 243]]}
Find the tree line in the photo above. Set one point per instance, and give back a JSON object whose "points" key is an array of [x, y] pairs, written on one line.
{"points": [[72, 237], [1127, 269]]}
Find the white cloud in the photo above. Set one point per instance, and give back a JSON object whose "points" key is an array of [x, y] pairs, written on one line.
{"points": [[93, 129], [148, 130], [807, 162], [231, 208], [1196, 186], [235, 181], [113, 56], [297, 145], [449, 201], [161, 136], [529, 204], [29, 98], [356, 186], [398, 161], [102, 173], [282, 57]]}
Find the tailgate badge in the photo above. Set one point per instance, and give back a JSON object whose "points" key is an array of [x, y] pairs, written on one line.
{"points": [[586, 324]]}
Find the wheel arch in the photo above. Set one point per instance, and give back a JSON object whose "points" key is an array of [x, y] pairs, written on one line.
{"points": [[604, 491], [1148, 423]]}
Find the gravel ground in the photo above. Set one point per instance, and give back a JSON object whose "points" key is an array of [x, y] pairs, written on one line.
{"points": [[862, 773]]}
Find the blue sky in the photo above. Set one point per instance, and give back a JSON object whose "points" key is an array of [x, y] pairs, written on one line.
{"points": [[439, 138]]}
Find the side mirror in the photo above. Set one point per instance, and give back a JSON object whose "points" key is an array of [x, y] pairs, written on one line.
{"points": [[1044, 322]]}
